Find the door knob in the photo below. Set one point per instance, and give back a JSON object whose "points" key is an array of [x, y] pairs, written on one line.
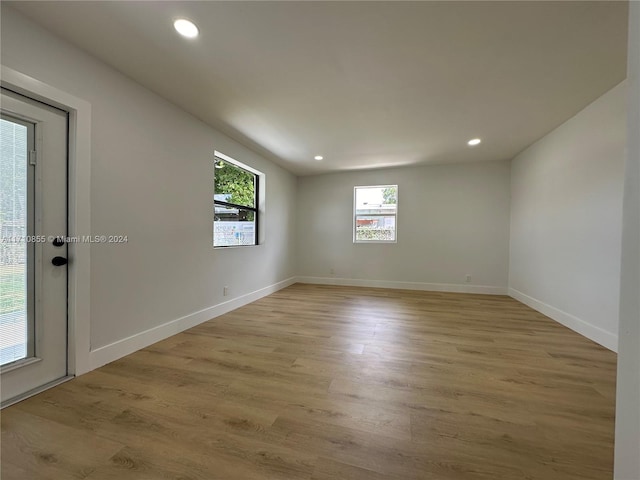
{"points": [[59, 261]]}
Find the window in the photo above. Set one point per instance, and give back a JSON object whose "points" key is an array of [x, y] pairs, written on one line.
{"points": [[375, 212], [235, 203]]}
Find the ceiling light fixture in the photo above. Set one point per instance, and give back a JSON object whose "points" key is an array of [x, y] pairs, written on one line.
{"points": [[318, 157], [186, 28], [474, 142]]}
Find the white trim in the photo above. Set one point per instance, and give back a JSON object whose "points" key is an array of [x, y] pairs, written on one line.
{"points": [[79, 207], [235, 162], [23, 362], [432, 287], [103, 355], [598, 335]]}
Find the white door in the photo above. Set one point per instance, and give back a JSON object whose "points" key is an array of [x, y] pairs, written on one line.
{"points": [[33, 270]]}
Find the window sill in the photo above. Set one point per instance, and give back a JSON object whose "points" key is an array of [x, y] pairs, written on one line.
{"points": [[360, 242]]}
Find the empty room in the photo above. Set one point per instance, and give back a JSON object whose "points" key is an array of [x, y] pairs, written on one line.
{"points": [[320, 240]]}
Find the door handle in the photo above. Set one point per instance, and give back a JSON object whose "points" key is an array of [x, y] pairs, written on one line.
{"points": [[59, 261]]}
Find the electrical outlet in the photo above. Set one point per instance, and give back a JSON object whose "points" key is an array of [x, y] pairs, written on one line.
{"points": [[332, 271], [467, 278], [225, 291]]}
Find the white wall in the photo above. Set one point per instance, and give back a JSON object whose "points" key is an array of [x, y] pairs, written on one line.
{"points": [[152, 180], [453, 220], [627, 460], [566, 214]]}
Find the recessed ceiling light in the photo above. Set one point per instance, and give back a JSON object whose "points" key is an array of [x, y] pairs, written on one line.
{"points": [[186, 28], [318, 157], [473, 142]]}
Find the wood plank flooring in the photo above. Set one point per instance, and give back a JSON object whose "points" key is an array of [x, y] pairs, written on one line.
{"points": [[334, 383]]}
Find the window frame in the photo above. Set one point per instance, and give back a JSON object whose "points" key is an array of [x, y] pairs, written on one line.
{"points": [[218, 156], [355, 215]]}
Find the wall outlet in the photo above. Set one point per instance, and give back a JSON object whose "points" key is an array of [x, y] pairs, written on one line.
{"points": [[332, 271], [467, 278], [225, 291]]}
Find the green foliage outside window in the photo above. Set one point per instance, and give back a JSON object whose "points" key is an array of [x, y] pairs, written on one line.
{"points": [[371, 233], [389, 196], [235, 182]]}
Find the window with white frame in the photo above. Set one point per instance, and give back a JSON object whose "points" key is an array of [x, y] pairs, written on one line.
{"points": [[235, 203], [375, 212]]}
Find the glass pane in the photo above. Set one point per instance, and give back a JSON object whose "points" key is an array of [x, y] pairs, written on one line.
{"points": [[376, 200], [233, 226], [375, 228], [13, 247], [234, 185]]}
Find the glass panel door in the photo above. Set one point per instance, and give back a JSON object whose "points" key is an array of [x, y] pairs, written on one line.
{"points": [[33, 266]]}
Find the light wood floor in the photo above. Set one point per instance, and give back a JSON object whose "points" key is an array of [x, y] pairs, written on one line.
{"points": [[334, 383]]}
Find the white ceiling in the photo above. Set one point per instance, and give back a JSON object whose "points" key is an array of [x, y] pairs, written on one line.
{"points": [[366, 84]]}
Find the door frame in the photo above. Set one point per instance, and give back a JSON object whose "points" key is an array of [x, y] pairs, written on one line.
{"points": [[79, 208]]}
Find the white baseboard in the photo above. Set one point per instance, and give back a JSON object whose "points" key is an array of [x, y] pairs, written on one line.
{"points": [[108, 353], [598, 335], [103, 355], [432, 287]]}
